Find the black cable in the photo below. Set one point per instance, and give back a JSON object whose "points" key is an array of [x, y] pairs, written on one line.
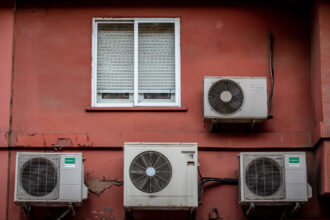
{"points": [[203, 180], [271, 68], [227, 181], [200, 186], [199, 173]]}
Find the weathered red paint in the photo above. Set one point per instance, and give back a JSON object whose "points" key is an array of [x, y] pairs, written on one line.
{"points": [[321, 89], [117, 139], [52, 91], [316, 67], [320, 65], [6, 37], [53, 73], [323, 161], [324, 16], [3, 183]]}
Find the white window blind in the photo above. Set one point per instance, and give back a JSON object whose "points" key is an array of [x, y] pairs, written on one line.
{"points": [[115, 55], [156, 58], [136, 62]]}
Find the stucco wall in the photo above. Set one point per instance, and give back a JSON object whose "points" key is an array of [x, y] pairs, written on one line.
{"points": [[6, 37], [321, 84], [52, 89], [53, 76]]}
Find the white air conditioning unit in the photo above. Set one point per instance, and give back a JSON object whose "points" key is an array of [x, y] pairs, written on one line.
{"points": [[160, 176], [235, 99], [49, 179], [273, 178]]}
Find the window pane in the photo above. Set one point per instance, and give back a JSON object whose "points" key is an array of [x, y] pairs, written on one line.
{"points": [[157, 60], [115, 57]]}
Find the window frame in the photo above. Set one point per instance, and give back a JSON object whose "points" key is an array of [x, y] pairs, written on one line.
{"points": [[136, 21]]}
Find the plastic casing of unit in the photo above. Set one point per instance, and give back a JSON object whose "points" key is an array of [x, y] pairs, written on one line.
{"points": [[70, 187], [294, 175], [182, 191], [254, 106]]}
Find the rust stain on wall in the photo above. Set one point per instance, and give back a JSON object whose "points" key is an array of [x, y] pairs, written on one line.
{"points": [[97, 186]]}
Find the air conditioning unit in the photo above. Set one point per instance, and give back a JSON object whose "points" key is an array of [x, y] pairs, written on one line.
{"points": [[49, 179], [273, 178], [160, 176], [235, 99]]}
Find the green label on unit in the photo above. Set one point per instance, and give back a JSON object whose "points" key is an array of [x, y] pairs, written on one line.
{"points": [[294, 161], [69, 162]]}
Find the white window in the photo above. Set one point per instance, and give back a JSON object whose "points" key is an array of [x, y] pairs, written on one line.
{"points": [[136, 62]]}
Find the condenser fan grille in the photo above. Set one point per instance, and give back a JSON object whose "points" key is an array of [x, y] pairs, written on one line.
{"points": [[264, 176], [150, 171], [225, 96], [38, 176]]}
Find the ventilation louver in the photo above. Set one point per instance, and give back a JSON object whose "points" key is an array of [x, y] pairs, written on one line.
{"points": [[150, 171], [38, 176], [263, 176], [225, 96]]}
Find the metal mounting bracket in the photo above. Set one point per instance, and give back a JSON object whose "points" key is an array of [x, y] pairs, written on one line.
{"points": [[250, 209], [295, 208], [27, 209]]}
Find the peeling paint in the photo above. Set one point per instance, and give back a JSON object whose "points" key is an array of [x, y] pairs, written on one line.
{"points": [[31, 133], [63, 142], [106, 214], [97, 186]]}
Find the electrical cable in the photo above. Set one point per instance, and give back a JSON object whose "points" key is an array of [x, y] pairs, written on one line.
{"points": [[203, 180], [271, 68]]}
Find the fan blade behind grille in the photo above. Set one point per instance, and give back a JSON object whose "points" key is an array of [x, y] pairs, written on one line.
{"points": [[264, 176], [152, 182], [38, 177], [235, 99]]}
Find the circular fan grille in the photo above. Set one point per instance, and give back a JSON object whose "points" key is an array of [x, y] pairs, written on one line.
{"points": [[225, 96], [263, 176], [150, 171], [38, 177]]}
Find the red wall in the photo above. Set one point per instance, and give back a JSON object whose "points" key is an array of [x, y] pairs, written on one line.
{"points": [[6, 37], [324, 25], [53, 76], [52, 88], [321, 86]]}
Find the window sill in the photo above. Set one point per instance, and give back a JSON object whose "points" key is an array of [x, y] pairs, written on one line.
{"points": [[136, 109]]}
